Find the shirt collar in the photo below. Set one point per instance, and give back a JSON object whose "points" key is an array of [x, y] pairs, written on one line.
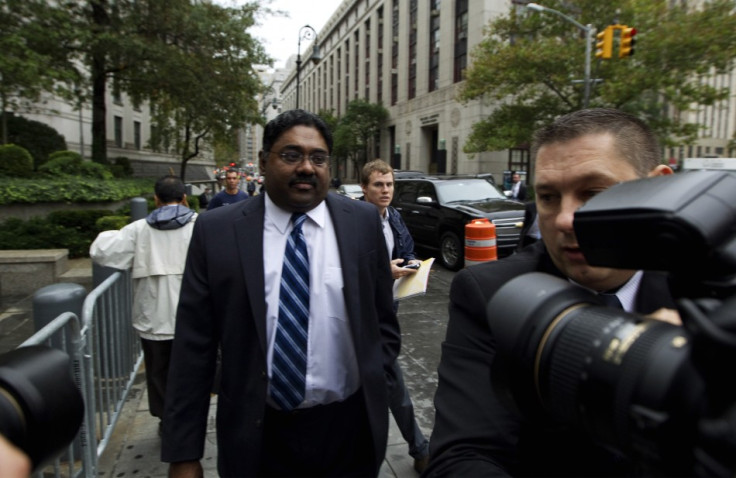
{"points": [[281, 217], [626, 293]]}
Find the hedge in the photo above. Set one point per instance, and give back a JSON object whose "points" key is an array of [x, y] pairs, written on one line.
{"points": [[71, 189], [73, 230]]}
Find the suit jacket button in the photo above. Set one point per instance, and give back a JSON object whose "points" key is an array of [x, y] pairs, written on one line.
{"points": [[259, 423]]}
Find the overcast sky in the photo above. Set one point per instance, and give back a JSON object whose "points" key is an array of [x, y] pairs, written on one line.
{"points": [[280, 34]]}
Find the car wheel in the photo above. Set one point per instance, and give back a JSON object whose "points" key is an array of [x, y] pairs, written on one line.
{"points": [[451, 251]]}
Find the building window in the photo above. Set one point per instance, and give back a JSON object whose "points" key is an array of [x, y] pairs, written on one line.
{"points": [[461, 40], [338, 86], [367, 50], [412, 49], [519, 160], [434, 45], [119, 131], [137, 134], [379, 59], [395, 52], [347, 71], [356, 76]]}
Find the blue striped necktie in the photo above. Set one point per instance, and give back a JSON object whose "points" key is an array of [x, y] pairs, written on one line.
{"points": [[289, 364]]}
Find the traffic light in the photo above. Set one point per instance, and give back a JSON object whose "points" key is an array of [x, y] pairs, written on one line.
{"points": [[604, 46], [627, 41]]}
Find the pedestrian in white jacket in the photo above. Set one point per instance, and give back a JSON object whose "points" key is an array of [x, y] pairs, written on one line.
{"points": [[155, 250]]}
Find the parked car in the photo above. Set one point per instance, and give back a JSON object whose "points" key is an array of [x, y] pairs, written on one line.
{"points": [[436, 210], [408, 173], [352, 191]]}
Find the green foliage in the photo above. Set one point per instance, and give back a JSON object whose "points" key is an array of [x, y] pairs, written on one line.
{"points": [[69, 163], [121, 167], [37, 41], [192, 61], [15, 162], [72, 189], [81, 220], [112, 223], [526, 62], [193, 202], [202, 86], [328, 116], [38, 138], [357, 131], [73, 230]]}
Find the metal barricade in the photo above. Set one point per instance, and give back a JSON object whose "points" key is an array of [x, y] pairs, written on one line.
{"points": [[114, 352], [63, 333], [106, 356]]}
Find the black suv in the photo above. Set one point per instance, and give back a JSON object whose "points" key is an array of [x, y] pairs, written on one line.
{"points": [[437, 208]]}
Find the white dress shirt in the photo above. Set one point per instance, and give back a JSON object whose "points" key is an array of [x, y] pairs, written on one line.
{"points": [[388, 234], [332, 366]]}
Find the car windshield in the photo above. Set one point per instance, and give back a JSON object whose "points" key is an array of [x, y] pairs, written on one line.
{"points": [[352, 188], [471, 190]]}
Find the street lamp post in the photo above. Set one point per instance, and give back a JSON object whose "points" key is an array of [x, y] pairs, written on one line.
{"points": [[305, 33], [589, 34]]}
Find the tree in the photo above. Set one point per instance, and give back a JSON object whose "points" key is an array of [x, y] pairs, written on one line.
{"points": [[34, 40], [328, 116], [357, 131], [203, 85], [526, 63], [193, 61]]}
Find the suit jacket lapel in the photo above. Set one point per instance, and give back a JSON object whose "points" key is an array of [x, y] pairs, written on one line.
{"points": [[346, 230], [654, 293], [249, 239]]}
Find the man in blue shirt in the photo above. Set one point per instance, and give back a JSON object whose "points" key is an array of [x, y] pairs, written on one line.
{"points": [[231, 194]]}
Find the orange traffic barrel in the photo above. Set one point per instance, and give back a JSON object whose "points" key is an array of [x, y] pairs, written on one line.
{"points": [[480, 242]]}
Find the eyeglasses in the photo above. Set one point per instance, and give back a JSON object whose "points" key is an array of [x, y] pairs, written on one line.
{"points": [[294, 157]]}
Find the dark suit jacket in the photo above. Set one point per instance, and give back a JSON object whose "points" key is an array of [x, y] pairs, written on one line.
{"points": [[223, 303], [474, 434], [522, 192], [530, 215]]}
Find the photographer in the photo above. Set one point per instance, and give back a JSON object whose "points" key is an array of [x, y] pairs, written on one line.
{"points": [[578, 156]]}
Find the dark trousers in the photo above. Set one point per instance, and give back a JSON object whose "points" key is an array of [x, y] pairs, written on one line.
{"points": [[402, 409], [156, 356], [399, 402], [325, 440]]}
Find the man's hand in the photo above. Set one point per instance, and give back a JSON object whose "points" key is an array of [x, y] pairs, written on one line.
{"points": [[666, 315], [186, 469], [397, 271], [13, 462]]}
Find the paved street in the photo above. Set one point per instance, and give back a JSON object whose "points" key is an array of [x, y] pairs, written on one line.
{"points": [[134, 447]]}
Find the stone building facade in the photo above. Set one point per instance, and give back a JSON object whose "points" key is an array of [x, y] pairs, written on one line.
{"points": [[409, 55]]}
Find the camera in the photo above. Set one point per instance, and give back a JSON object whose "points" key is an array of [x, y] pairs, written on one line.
{"points": [[660, 394], [41, 408]]}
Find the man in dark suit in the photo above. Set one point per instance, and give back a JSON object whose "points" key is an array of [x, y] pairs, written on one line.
{"points": [[518, 188], [578, 156], [231, 297]]}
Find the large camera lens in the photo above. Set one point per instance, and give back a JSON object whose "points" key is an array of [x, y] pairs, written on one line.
{"points": [[41, 408], [626, 381]]}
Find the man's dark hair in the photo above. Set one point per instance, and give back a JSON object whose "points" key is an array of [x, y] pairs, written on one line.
{"points": [[169, 189], [633, 138], [290, 118]]}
